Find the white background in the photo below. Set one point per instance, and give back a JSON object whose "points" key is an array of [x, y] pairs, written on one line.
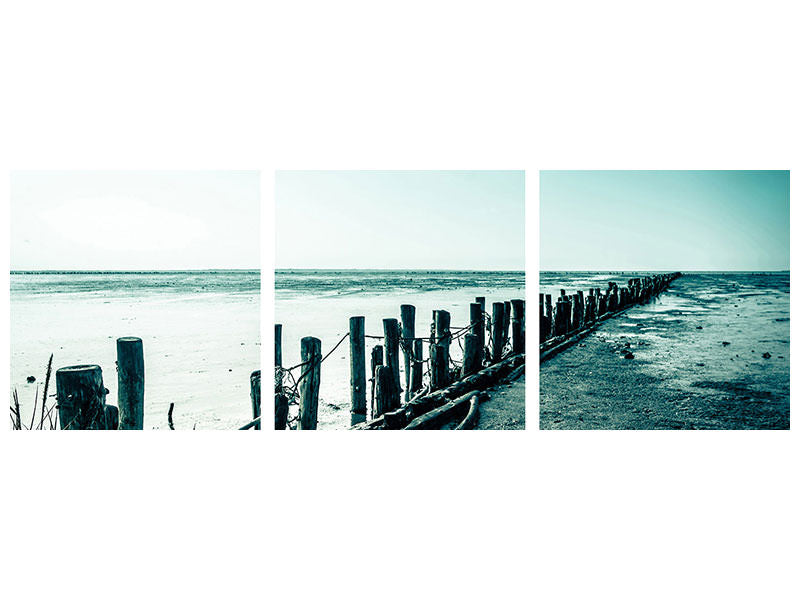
{"points": [[360, 85]]}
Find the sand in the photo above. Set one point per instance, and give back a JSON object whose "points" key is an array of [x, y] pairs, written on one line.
{"points": [[200, 349], [711, 353], [327, 317]]}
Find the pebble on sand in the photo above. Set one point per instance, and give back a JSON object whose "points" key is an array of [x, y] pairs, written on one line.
{"points": [[31, 378]]}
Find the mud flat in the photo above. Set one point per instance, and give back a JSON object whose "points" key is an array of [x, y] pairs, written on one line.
{"points": [[712, 352]]}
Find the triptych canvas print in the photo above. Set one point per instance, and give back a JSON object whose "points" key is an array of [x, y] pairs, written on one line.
{"points": [[402, 300]]}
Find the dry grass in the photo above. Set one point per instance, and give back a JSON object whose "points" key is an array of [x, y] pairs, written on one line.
{"points": [[48, 416]]}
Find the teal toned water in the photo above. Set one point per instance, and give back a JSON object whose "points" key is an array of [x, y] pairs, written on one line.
{"points": [[200, 331]]}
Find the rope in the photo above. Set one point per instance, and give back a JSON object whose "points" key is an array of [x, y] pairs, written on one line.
{"points": [[291, 391]]}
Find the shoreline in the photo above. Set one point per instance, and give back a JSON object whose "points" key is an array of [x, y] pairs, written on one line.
{"points": [[709, 354]]}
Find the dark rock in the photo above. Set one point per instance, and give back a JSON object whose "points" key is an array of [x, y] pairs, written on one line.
{"points": [[628, 355], [31, 378], [627, 344], [726, 343], [700, 364], [766, 355], [699, 327]]}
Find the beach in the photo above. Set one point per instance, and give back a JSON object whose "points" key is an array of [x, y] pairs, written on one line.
{"points": [[320, 303], [200, 331], [711, 352]]}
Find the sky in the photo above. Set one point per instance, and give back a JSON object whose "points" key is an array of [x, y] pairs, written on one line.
{"points": [[135, 220], [466, 220], [664, 220]]}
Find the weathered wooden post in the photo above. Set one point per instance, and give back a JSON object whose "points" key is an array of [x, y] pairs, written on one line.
{"points": [[391, 344], [442, 325], [481, 300], [281, 401], [255, 396], [506, 320], [497, 330], [476, 321], [408, 317], [384, 391], [472, 354], [376, 360], [112, 417], [311, 355], [518, 326], [591, 308], [542, 323], [438, 367], [416, 369], [568, 300], [130, 381], [81, 397], [562, 317], [278, 347], [358, 382], [575, 322], [602, 305]]}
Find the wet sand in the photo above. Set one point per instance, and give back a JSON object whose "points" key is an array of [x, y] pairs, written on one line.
{"points": [[506, 408], [711, 353]]}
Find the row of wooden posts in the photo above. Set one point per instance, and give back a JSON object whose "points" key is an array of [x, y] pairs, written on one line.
{"points": [[81, 394], [386, 387], [574, 312]]}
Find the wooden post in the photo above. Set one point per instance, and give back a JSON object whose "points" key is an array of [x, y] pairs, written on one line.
{"points": [[477, 321], [255, 396], [472, 354], [506, 321], [81, 397], [497, 330], [438, 367], [278, 347], [358, 381], [575, 322], [112, 417], [281, 401], [391, 344], [442, 324], [481, 300], [416, 370], [562, 317], [518, 326], [376, 360], [130, 380], [384, 391], [591, 308], [548, 315], [310, 353], [408, 317]]}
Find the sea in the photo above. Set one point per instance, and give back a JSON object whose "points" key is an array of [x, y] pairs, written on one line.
{"points": [[200, 332], [320, 303], [714, 345]]}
